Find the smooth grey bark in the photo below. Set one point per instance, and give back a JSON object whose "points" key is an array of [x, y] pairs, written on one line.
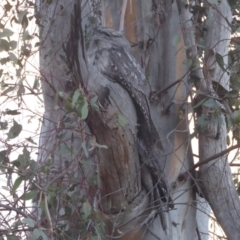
{"points": [[217, 183], [61, 135], [215, 177], [161, 68], [162, 62], [58, 23]]}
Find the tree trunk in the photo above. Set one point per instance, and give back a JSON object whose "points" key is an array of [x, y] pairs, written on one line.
{"points": [[91, 124], [215, 180]]}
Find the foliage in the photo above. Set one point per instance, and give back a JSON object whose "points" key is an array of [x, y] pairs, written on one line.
{"points": [[229, 64], [20, 84], [20, 120]]}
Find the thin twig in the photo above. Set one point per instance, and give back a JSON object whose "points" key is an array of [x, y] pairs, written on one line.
{"points": [[209, 159], [124, 6], [13, 209]]}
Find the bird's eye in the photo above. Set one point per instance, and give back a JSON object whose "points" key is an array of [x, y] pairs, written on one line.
{"points": [[107, 34], [110, 32]]}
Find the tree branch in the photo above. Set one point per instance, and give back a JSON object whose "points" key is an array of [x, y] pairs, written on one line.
{"points": [[209, 159]]}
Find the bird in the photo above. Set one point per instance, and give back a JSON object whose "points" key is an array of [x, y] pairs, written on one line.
{"points": [[109, 52], [108, 44]]}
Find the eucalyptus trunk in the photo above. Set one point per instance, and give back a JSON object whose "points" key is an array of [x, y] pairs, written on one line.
{"points": [[77, 144]]}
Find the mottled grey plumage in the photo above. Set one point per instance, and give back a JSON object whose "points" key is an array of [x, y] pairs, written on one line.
{"points": [[109, 51], [120, 66]]}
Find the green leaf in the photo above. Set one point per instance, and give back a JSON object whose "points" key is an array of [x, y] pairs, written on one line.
{"points": [[229, 122], [86, 166], [199, 45], [100, 227], [188, 63], [16, 224], [39, 234], [238, 190], [236, 117], [16, 163], [234, 82], [5, 188], [4, 45], [12, 45], [7, 6], [15, 130], [75, 97], [21, 90], [220, 61], [200, 103], [25, 51], [12, 237], [127, 207], [6, 33], [31, 141], [26, 36], [16, 184], [194, 79], [13, 57], [29, 195], [93, 104], [34, 165], [10, 89], [232, 3], [122, 120], [37, 44], [86, 209], [232, 94], [24, 22], [12, 112], [210, 103], [219, 89], [30, 222], [3, 155], [213, 1], [84, 111], [36, 83], [4, 60], [4, 160], [94, 238], [22, 18], [53, 202], [3, 125], [68, 211]]}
